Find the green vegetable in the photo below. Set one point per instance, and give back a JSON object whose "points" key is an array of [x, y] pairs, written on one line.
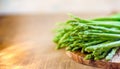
{"points": [[115, 17], [88, 57], [98, 38], [106, 35], [104, 46], [111, 54], [107, 19]]}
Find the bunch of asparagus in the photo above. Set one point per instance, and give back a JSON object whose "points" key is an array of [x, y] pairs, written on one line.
{"points": [[98, 38]]}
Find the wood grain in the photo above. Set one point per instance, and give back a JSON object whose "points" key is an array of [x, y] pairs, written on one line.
{"points": [[114, 63], [32, 46]]}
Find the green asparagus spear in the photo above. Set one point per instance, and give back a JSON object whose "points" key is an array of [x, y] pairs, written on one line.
{"points": [[104, 46], [107, 19], [111, 54], [106, 35]]}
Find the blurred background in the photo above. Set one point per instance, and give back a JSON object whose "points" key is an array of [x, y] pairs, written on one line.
{"points": [[26, 31], [59, 6]]}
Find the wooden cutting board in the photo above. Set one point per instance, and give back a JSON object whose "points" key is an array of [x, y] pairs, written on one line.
{"points": [[30, 44], [114, 63]]}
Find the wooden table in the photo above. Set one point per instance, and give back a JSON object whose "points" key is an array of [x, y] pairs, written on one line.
{"points": [[32, 45]]}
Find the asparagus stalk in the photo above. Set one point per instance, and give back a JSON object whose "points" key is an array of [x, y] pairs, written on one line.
{"points": [[88, 56], [107, 19], [78, 19], [106, 35], [91, 43], [111, 54], [103, 46], [101, 28], [106, 25], [101, 54], [105, 29]]}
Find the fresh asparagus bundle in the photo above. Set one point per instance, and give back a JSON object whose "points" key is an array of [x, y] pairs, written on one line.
{"points": [[97, 38]]}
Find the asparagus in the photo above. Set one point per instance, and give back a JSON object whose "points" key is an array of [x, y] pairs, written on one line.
{"points": [[105, 29], [106, 25], [88, 56], [92, 26], [106, 35], [97, 38], [91, 43], [115, 17], [111, 54], [78, 19], [76, 48], [107, 19], [104, 46], [101, 54]]}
